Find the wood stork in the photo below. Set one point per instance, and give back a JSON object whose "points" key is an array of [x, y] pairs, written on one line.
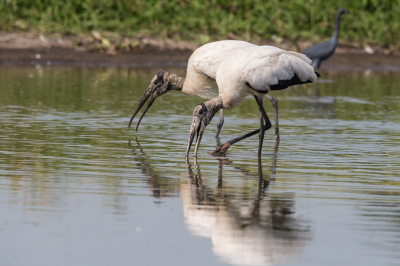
{"points": [[200, 75], [324, 50], [254, 70]]}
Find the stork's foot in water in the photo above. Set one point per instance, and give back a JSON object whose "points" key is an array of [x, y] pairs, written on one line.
{"points": [[222, 149]]}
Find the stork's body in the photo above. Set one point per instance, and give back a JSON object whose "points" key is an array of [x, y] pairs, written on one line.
{"points": [[201, 73], [259, 70], [254, 70]]}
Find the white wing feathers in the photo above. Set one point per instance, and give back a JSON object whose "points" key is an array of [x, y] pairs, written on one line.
{"points": [[261, 67], [203, 64], [269, 68], [207, 58]]}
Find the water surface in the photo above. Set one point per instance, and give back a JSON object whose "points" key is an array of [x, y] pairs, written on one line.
{"points": [[78, 188]]}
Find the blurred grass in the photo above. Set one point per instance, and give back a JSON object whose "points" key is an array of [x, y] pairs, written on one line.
{"points": [[370, 21]]}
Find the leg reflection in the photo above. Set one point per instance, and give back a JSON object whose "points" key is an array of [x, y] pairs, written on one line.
{"points": [[247, 222]]}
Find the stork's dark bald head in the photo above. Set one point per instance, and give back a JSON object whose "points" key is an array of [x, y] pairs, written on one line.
{"points": [[200, 109], [160, 74], [159, 78], [160, 84]]}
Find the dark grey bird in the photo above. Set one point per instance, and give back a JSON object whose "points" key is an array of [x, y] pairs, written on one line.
{"points": [[324, 50]]}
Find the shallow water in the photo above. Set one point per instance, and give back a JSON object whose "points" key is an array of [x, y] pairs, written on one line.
{"points": [[78, 188]]}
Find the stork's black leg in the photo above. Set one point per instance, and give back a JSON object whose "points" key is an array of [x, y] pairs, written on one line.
{"points": [[220, 122], [275, 105], [263, 115], [268, 124], [262, 129]]}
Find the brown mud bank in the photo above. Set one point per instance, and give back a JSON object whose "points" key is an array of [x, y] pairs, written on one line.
{"points": [[95, 51]]}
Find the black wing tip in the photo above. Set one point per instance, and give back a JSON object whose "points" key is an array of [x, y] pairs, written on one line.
{"points": [[283, 84]]}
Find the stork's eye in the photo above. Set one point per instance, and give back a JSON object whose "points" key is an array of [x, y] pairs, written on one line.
{"points": [[155, 82], [200, 112]]}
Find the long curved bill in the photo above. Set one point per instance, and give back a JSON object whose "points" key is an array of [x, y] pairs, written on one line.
{"points": [[199, 136], [150, 90], [197, 127], [151, 101]]}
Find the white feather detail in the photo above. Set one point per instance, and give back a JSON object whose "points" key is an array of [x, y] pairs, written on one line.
{"points": [[203, 64], [261, 67]]}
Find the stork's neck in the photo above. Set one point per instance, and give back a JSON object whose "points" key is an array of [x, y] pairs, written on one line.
{"points": [[336, 33], [175, 82], [215, 104]]}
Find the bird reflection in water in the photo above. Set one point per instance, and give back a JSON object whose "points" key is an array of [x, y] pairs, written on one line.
{"points": [[245, 231], [248, 224], [160, 185]]}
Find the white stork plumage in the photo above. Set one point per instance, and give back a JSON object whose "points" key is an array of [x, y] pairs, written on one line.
{"points": [[201, 73], [255, 70]]}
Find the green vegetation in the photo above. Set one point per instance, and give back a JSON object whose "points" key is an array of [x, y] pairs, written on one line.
{"points": [[370, 21]]}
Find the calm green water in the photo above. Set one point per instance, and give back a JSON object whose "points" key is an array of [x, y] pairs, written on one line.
{"points": [[78, 188]]}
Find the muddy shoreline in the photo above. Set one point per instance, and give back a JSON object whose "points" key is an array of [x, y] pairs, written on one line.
{"points": [[17, 49]]}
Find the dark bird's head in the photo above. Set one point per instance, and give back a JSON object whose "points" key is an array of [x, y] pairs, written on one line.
{"points": [[159, 85], [202, 116], [342, 11]]}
